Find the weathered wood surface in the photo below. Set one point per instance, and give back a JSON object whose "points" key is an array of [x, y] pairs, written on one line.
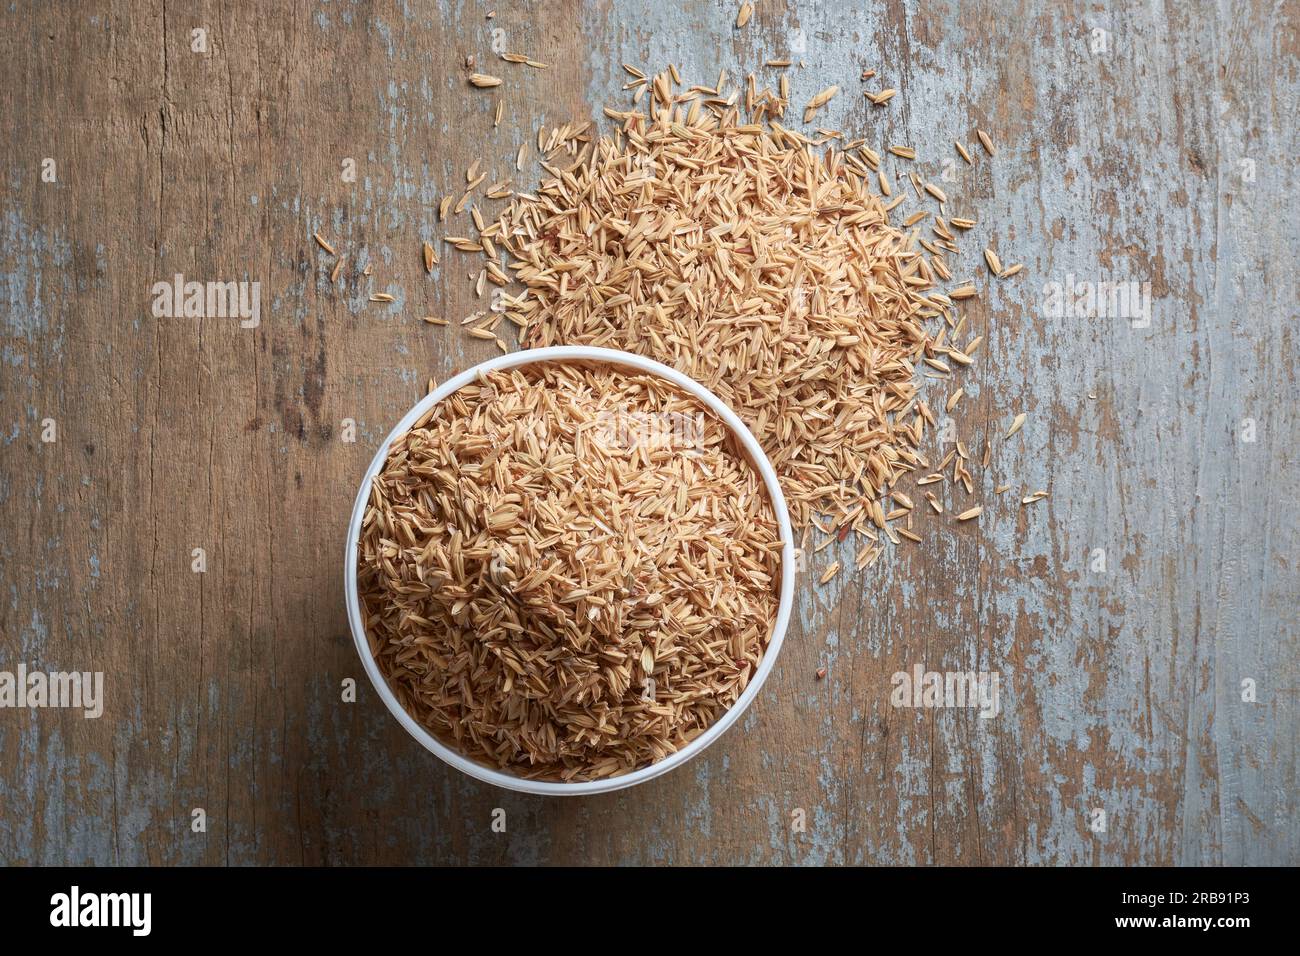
{"points": [[1165, 158]]}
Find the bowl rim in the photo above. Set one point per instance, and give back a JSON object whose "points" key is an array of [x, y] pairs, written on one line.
{"points": [[573, 353]]}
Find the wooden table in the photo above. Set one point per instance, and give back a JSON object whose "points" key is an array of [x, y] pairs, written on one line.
{"points": [[1153, 146]]}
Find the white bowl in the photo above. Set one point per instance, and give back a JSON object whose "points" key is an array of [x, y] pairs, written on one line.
{"points": [[499, 777]]}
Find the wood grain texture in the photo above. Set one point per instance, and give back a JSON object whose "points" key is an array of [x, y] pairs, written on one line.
{"points": [[1167, 158]]}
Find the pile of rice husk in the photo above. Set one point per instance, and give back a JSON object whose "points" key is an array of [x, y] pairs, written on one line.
{"points": [[757, 263]]}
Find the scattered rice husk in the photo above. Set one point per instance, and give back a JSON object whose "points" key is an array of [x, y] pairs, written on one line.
{"points": [[818, 101], [525, 572]]}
